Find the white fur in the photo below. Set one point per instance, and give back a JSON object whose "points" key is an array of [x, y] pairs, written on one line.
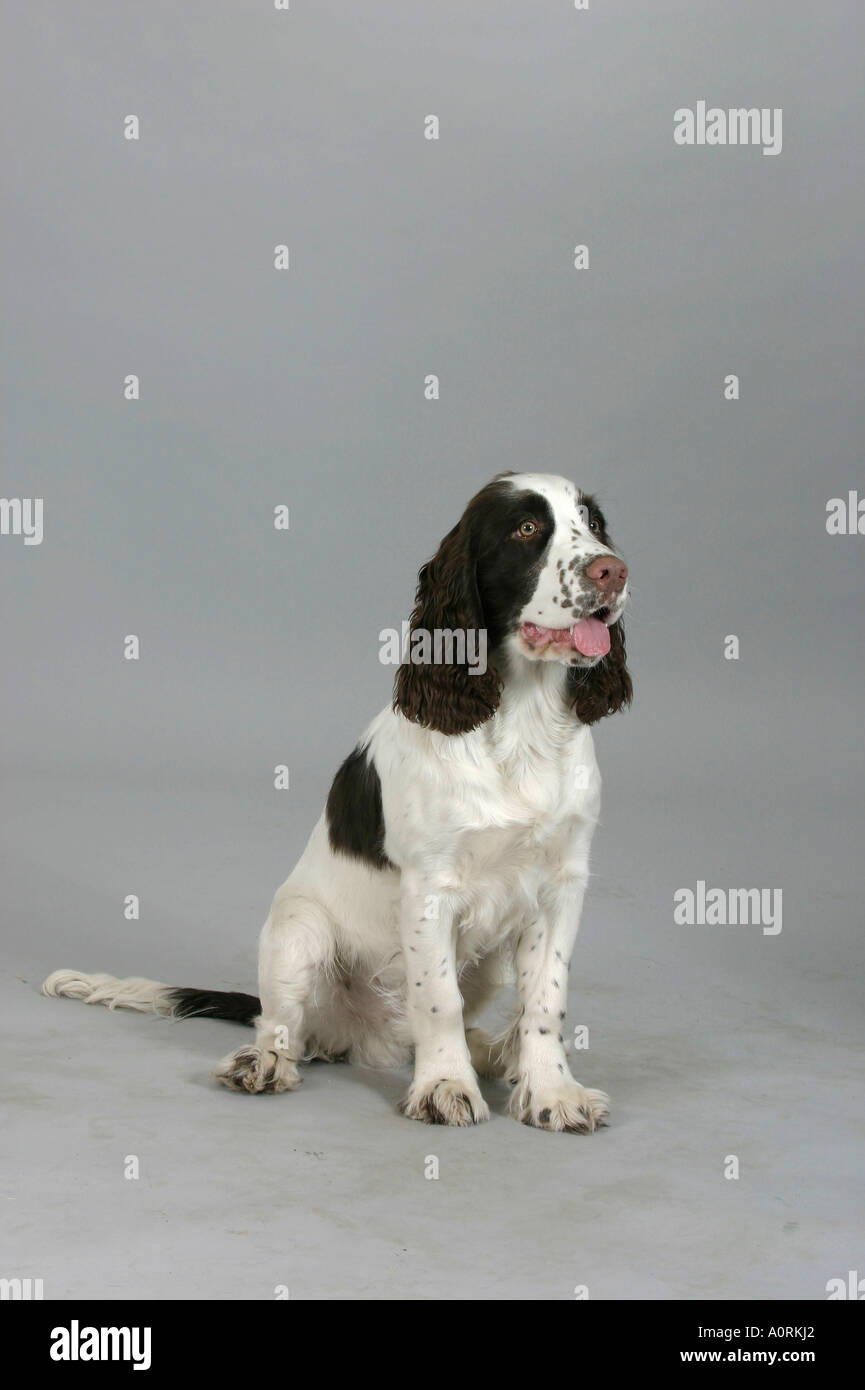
{"points": [[144, 996]]}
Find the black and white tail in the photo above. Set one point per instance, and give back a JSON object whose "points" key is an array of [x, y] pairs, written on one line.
{"points": [[152, 997]]}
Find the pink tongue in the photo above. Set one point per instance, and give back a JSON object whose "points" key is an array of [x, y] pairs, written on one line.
{"points": [[591, 637]]}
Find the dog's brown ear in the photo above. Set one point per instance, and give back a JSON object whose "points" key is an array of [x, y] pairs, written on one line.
{"points": [[452, 698], [603, 689]]}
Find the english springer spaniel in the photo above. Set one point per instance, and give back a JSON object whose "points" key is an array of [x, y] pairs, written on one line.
{"points": [[452, 855]]}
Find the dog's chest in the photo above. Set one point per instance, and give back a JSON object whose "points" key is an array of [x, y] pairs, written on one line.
{"points": [[519, 832], [522, 816], [492, 816]]}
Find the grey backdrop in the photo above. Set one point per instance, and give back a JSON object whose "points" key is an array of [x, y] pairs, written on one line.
{"points": [[305, 387]]}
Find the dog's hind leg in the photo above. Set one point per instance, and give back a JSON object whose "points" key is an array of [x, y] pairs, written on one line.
{"points": [[296, 952]]}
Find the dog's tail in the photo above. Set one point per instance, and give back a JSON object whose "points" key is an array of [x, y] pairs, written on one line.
{"points": [[151, 997]]}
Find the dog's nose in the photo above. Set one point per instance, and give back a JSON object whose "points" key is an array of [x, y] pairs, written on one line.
{"points": [[608, 574]]}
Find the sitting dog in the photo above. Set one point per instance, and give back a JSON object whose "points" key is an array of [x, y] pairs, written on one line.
{"points": [[452, 855]]}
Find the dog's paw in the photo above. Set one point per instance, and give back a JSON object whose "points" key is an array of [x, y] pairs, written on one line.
{"points": [[257, 1071], [569, 1108], [445, 1102]]}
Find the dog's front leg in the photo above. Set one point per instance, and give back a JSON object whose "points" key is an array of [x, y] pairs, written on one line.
{"points": [[445, 1088], [545, 1093]]}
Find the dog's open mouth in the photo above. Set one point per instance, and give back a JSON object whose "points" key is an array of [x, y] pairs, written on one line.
{"points": [[590, 636]]}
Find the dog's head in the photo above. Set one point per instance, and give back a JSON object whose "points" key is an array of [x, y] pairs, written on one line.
{"points": [[530, 564]]}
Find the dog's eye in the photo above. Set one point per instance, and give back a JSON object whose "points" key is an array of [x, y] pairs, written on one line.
{"points": [[526, 528], [595, 525]]}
